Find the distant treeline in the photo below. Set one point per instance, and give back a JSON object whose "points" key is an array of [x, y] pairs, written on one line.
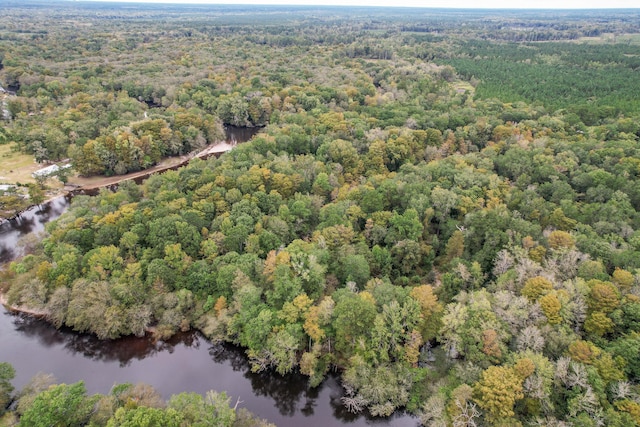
{"points": [[450, 220]]}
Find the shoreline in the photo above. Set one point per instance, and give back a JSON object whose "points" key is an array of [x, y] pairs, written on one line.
{"points": [[40, 314], [87, 184], [72, 189], [91, 185], [150, 331]]}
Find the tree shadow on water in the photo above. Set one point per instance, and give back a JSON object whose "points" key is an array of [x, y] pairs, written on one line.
{"points": [[122, 350], [285, 390]]}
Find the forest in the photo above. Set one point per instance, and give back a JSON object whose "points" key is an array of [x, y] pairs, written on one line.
{"points": [[441, 205]]}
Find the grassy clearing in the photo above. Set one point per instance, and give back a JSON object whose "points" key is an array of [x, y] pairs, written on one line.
{"points": [[16, 167]]}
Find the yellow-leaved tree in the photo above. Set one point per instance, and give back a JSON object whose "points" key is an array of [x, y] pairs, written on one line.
{"points": [[497, 392]]}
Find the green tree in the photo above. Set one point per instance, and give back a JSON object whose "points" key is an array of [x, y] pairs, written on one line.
{"points": [[6, 375], [211, 411], [353, 316], [628, 347], [404, 227], [59, 406], [354, 268], [454, 248], [406, 256], [36, 194], [443, 201], [145, 417], [4, 135]]}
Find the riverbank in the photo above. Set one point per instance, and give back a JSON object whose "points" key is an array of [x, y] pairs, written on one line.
{"points": [[89, 185], [22, 309], [92, 183]]}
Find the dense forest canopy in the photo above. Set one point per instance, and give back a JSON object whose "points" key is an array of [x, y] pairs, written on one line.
{"points": [[442, 204]]}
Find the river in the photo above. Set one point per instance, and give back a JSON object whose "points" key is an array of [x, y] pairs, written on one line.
{"points": [[31, 221], [187, 362]]}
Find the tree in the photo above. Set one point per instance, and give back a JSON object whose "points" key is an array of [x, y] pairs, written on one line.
{"points": [[407, 256], [404, 227], [145, 417], [63, 174], [560, 239], [443, 201], [382, 389], [4, 135], [344, 153], [89, 304], [211, 411], [497, 392], [140, 394], [603, 296], [104, 262], [430, 311], [598, 323], [86, 159], [36, 194], [491, 344], [354, 268], [551, 306], [628, 348], [536, 287], [454, 248], [6, 375], [286, 287], [353, 316], [623, 279], [282, 347], [61, 406]]}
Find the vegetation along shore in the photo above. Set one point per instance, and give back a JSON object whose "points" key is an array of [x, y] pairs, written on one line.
{"points": [[441, 205]]}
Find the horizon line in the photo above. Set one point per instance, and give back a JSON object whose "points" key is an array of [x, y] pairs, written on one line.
{"points": [[357, 3]]}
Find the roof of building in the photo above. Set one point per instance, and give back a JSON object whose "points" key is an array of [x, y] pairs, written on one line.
{"points": [[49, 170]]}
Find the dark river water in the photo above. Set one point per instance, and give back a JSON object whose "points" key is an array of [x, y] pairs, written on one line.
{"points": [[32, 222], [188, 362], [238, 135]]}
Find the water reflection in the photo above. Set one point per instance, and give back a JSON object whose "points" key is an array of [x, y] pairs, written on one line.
{"points": [[235, 135], [220, 353], [187, 362], [290, 393], [34, 219], [31, 221], [123, 350]]}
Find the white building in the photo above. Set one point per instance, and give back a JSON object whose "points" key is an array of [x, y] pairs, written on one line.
{"points": [[49, 170]]}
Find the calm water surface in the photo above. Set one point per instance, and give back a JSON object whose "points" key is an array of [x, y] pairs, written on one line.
{"points": [[188, 362], [30, 221], [238, 135]]}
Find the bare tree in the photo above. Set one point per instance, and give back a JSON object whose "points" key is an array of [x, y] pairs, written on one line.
{"points": [[468, 414]]}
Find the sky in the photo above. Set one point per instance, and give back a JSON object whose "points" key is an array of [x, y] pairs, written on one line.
{"points": [[488, 4]]}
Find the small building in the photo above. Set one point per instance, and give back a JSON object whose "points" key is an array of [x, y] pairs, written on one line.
{"points": [[49, 170]]}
